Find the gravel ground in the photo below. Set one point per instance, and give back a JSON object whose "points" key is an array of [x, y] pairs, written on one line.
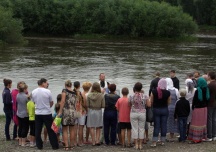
{"points": [[12, 146]]}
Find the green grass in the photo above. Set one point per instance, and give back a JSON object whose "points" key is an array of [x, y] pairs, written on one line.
{"points": [[207, 28], [2, 117]]}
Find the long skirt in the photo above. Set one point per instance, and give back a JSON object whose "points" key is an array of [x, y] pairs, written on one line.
{"points": [[198, 129]]}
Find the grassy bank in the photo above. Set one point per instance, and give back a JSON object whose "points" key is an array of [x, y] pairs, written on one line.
{"points": [[207, 29]]}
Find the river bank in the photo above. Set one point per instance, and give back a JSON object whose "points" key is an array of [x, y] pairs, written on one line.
{"points": [[12, 146]]}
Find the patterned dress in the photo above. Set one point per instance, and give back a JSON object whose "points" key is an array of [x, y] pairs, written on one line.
{"points": [[69, 114], [171, 123]]}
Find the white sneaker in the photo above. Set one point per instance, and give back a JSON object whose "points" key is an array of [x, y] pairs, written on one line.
{"points": [[33, 145], [208, 139], [214, 138]]}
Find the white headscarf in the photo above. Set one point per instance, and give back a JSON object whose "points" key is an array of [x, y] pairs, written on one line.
{"points": [[188, 80], [171, 87]]}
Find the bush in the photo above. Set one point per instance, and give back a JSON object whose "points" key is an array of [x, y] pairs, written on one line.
{"points": [[10, 28], [137, 18]]}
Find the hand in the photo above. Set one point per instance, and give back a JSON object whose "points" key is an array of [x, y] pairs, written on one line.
{"points": [[176, 120]]}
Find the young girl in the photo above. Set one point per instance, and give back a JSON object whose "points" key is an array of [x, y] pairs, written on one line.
{"points": [[31, 114]]}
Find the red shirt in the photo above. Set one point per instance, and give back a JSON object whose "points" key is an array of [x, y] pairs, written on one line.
{"points": [[124, 109]]}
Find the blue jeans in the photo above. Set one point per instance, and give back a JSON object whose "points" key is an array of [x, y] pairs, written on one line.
{"points": [[160, 123], [9, 117], [110, 125], [182, 125]]}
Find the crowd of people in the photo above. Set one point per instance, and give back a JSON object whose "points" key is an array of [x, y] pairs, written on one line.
{"points": [[109, 117]]}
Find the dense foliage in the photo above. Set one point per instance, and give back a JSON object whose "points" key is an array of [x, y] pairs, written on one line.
{"points": [[10, 28], [203, 11], [137, 18]]}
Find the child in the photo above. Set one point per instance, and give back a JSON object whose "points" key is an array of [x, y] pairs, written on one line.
{"points": [[56, 109], [31, 113], [182, 111], [123, 108]]}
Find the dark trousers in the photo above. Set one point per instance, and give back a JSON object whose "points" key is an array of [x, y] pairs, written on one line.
{"points": [[47, 120], [211, 122], [110, 125], [182, 125], [160, 123], [32, 127], [9, 117], [23, 127]]}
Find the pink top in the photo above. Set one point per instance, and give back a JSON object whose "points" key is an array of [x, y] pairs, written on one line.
{"points": [[14, 95], [122, 105]]}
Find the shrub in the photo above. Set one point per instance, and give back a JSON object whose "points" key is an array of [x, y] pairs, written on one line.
{"points": [[10, 28]]}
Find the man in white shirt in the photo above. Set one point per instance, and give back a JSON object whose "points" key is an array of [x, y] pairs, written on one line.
{"points": [[43, 115]]}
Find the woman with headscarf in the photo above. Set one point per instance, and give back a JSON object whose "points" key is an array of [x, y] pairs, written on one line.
{"points": [[172, 126], [198, 129], [160, 99], [190, 90]]}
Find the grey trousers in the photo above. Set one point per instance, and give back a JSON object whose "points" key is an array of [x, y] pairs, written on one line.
{"points": [[211, 122]]}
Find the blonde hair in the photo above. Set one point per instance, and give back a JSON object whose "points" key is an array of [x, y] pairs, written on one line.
{"points": [[86, 86], [68, 83]]}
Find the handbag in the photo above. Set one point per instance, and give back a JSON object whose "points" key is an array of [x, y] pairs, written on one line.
{"points": [[149, 114], [56, 124]]}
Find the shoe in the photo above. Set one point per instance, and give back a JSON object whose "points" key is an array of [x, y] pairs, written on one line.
{"points": [[208, 139], [32, 145], [214, 138], [161, 143], [153, 144]]}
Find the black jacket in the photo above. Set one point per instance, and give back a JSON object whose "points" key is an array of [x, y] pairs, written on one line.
{"points": [[182, 108], [175, 82]]}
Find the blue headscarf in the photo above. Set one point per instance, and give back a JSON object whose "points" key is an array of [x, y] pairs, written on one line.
{"points": [[201, 83]]}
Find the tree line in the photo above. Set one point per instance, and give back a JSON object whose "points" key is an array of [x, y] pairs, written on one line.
{"points": [[134, 18]]}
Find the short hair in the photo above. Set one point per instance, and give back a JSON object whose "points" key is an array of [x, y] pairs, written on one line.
{"points": [[86, 86], [182, 92], [212, 75], [68, 83], [173, 71], [96, 87], [112, 87], [43, 80], [190, 75], [59, 97], [7, 82], [125, 91], [76, 84], [39, 82], [57, 107], [138, 86], [157, 74]]}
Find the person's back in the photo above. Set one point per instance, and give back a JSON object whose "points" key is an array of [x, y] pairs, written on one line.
{"points": [[110, 101], [22, 105], [42, 98], [123, 108], [182, 108]]}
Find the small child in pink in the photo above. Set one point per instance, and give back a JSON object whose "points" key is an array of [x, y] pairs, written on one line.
{"points": [[124, 109]]}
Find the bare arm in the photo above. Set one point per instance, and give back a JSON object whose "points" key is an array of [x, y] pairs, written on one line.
{"points": [[151, 98], [148, 103], [169, 100], [51, 104], [62, 103]]}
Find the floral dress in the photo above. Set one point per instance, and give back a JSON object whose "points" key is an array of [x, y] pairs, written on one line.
{"points": [[69, 114]]}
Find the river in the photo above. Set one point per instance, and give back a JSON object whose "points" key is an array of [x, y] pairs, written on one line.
{"points": [[124, 62]]}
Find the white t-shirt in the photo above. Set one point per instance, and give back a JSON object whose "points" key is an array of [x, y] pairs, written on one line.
{"points": [[42, 98]]}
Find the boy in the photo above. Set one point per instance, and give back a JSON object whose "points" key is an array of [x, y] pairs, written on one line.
{"points": [[182, 111], [124, 117]]}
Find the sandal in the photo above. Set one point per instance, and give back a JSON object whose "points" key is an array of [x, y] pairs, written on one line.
{"points": [[66, 148], [153, 144], [97, 144]]}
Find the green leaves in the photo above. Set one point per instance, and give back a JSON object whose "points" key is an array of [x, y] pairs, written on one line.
{"points": [[10, 28]]}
